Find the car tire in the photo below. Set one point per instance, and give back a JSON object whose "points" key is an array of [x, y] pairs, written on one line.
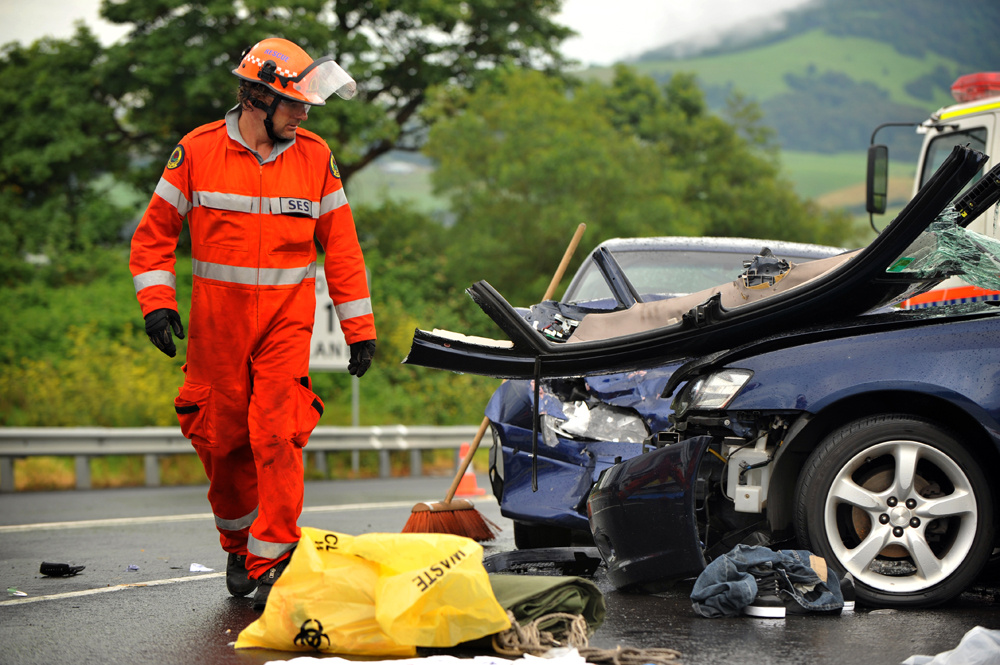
{"points": [[899, 503], [535, 536]]}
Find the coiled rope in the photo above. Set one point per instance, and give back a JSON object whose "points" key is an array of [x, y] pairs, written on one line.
{"points": [[529, 638]]}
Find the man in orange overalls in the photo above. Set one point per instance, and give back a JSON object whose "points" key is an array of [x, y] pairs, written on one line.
{"points": [[256, 190]]}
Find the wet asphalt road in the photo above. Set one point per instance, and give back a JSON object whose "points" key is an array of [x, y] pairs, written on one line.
{"points": [[191, 618]]}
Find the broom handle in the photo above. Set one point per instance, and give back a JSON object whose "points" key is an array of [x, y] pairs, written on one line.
{"points": [[467, 460], [556, 278]]}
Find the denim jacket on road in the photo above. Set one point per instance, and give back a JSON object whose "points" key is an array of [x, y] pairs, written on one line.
{"points": [[727, 584]]}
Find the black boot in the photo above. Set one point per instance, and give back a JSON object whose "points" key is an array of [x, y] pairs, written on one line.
{"points": [[266, 581], [236, 575]]}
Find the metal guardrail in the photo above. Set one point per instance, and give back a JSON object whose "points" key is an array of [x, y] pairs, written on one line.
{"points": [[82, 443]]}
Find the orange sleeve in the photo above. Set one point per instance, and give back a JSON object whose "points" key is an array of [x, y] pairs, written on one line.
{"points": [[154, 243], [345, 265]]}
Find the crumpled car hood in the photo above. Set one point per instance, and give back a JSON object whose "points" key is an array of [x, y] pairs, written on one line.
{"points": [[862, 283]]}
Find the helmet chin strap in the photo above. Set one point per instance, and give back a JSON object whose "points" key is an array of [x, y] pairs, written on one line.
{"points": [[269, 109]]}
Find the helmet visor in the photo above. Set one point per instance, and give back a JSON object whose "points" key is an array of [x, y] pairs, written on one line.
{"points": [[323, 78]]}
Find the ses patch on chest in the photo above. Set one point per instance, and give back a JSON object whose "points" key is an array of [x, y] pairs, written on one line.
{"points": [[296, 207]]}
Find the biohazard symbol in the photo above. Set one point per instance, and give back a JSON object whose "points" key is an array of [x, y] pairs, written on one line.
{"points": [[311, 637], [334, 171], [176, 158]]}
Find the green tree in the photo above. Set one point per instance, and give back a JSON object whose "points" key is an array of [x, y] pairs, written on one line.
{"points": [[727, 166], [59, 134], [172, 73], [526, 157]]}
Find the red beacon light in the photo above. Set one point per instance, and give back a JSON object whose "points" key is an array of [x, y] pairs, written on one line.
{"points": [[971, 87]]}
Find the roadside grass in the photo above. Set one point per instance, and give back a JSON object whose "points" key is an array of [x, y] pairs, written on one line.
{"points": [[44, 473], [763, 69]]}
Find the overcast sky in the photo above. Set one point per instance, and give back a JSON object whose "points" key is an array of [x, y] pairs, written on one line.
{"points": [[609, 31]]}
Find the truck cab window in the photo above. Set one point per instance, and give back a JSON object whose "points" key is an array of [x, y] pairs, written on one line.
{"points": [[940, 147]]}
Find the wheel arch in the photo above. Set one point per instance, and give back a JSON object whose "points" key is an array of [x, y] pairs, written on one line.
{"points": [[810, 429]]}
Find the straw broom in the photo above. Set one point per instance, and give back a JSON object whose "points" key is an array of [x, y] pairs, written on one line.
{"points": [[459, 516]]}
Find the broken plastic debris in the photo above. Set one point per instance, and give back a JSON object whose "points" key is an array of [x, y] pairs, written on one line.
{"points": [[198, 568], [59, 569], [14, 592], [764, 270], [132, 567]]}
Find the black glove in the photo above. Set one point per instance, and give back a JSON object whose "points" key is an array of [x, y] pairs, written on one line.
{"points": [[158, 325], [361, 357]]}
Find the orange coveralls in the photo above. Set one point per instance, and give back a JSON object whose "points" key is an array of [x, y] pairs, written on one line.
{"points": [[247, 402]]}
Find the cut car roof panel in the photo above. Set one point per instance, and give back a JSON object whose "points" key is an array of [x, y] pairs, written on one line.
{"points": [[857, 283]]}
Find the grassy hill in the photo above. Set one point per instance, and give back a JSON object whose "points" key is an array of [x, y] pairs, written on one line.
{"points": [[816, 175], [763, 72]]}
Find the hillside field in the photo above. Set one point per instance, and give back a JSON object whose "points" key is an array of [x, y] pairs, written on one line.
{"points": [[818, 176], [761, 72]]}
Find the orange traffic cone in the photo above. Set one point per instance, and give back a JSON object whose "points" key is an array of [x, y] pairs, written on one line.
{"points": [[467, 486]]}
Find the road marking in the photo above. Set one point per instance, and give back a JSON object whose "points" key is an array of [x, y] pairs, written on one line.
{"points": [[82, 524], [108, 589], [161, 519]]}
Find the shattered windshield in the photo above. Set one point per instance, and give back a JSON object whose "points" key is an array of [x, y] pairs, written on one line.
{"points": [[946, 249]]}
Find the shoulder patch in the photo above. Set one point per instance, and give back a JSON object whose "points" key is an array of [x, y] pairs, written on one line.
{"points": [[176, 157], [334, 171]]}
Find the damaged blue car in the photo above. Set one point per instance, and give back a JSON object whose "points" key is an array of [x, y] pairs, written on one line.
{"points": [[589, 423], [807, 408]]}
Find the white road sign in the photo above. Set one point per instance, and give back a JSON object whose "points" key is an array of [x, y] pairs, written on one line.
{"points": [[328, 350]]}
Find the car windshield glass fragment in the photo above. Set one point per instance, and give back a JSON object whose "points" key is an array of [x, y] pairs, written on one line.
{"points": [[946, 249], [668, 273]]}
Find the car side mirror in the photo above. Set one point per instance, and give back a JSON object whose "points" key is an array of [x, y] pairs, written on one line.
{"points": [[878, 179]]}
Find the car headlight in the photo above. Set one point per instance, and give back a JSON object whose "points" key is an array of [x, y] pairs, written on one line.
{"points": [[714, 391], [600, 422]]}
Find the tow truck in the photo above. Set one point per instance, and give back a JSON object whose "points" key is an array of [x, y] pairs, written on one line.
{"points": [[973, 121]]}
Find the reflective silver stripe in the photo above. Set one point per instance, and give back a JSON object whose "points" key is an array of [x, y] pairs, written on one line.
{"points": [[253, 276], [220, 201], [173, 196], [282, 276], [223, 273], [349, 310], [332, 201], [262, 548], [277, 205], [237, 524], [154, 278]]}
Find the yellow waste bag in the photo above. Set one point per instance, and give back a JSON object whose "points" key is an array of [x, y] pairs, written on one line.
{"points": [[378, 594]]}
